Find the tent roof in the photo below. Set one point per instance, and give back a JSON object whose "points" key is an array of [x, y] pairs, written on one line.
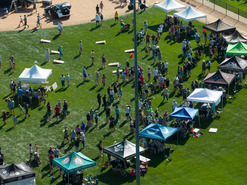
{"points": [[189, 14], [74, 162], [35, 74], [235, 37], [184, 113], [205, 96], [157, 132], [169, 5], [123, 150], [15, 172], [219, 77], [233, 64], [237, 49], [219, 26]]}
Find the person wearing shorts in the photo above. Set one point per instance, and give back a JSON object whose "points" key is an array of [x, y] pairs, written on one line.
{"points": [[108, 113], [25, 22], [57, 112]]}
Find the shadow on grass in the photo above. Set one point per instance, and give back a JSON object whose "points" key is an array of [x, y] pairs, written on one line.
{"points": [[100, 89], [94, 28], [69, 148], [103, 125], [107, 134], [61, 89], [123, 123], [77, 56], [82, 83], [56, 37], [55, 123]]}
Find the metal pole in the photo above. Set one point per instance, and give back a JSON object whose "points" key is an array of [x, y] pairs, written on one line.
{"points": [[226, 8], [238, 14], [136, 102], [214, 4]]}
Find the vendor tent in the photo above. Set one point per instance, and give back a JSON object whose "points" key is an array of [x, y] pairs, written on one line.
{"points": [[219, 26], [205, 96], [17, 174], [35, 74], [184, 113], [189, 14], [157, 132], [237, 49], [74, 162], [169, 5], [235, 63], [123, 150], [235, 37], [219, 78]]}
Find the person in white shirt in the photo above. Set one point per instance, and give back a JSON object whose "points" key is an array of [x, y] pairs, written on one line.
{"points": [[166, 67], [97, 19], [68, 78], [60, 27], [174, 105], [155, 73], [80, 46], [62, 78]]}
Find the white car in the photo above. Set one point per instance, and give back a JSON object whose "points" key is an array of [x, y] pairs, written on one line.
{"points": [[58, 10]]}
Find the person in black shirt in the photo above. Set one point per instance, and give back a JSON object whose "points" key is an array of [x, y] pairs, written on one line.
{"points": [[104, 101], [99, 100], [77, 143], [65, 108]]}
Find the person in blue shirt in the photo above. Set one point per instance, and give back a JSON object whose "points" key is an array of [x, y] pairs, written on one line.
{"points": [[83, 126], [96, 117], [19, 92], [12, 106], [84, 73], [60, 51]]}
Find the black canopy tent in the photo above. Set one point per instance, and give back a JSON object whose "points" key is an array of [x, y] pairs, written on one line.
{"points": [[219, 26], [235, 37], [123, 150], [234, 64], [15, 173]]}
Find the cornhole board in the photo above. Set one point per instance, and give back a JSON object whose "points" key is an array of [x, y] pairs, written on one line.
{"points": [[113, 64], [58, 61], [54, 52], [45, 41], [129, 51], [213, 130], [101, 42], [115, 72], [54, 86]]}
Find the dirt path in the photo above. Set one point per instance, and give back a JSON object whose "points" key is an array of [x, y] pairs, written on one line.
{"points": [[84, 11]]}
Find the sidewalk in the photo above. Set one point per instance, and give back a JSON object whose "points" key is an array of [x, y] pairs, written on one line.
{"points": [[218, 13]]}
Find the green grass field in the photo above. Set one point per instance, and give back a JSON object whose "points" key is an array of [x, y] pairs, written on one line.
{"points": [[210, 159]]}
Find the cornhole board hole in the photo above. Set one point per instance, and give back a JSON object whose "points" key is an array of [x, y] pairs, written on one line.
{"points": [[45, 41], [114, 72], [101, 42], [54, 52], [58, 61], [213, 130], [129, 51], [113, 64]]}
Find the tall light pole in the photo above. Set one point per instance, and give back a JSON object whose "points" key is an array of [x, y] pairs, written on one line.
{"points": [[136, 102]]}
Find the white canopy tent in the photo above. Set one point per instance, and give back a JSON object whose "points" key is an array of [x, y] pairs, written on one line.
{"points": [[189, 14], [206, 96], [169, 5], [35, 74]]}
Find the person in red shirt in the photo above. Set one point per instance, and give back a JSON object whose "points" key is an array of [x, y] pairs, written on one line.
{"points": [[57, 111], [147, 39]]}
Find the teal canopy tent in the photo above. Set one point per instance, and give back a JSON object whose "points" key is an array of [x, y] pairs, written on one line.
{"points": [[73, 162]]}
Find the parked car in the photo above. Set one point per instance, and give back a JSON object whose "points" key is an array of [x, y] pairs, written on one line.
{"points": [[46, 2], [58, 10]]}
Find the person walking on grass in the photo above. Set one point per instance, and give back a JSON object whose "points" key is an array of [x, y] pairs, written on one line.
{"points": [[62, 80], [60, 27], [80, 46], [14, 119], [96, 117], [66, 134], [92, 56], [100, 147], [57, 112], [103, 59], [101, 18], [21, 109], [84, 71], [77, 143], [4, 116], [72, 136], [83, 139], [97, 78], [68, 79], [49, 111], [30, 152], [26, 106], [97, 19], [103, 79], [60, 50]]}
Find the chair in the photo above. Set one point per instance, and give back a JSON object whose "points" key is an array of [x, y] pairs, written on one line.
{"points": [[144, 167]]}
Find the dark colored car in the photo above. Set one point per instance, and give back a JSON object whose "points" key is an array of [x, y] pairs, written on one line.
{"points": [[58, 10]]}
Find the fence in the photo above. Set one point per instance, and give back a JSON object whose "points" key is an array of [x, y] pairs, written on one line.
{"points": [[225, 8]]}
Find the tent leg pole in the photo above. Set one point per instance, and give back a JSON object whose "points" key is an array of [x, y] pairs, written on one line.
{"points": [[222, 104], [199, 120], [177, 137]]}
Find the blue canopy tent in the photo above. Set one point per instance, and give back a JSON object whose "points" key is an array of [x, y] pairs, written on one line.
{"points": [[73, 162], [185, 113], [157, 132]]}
